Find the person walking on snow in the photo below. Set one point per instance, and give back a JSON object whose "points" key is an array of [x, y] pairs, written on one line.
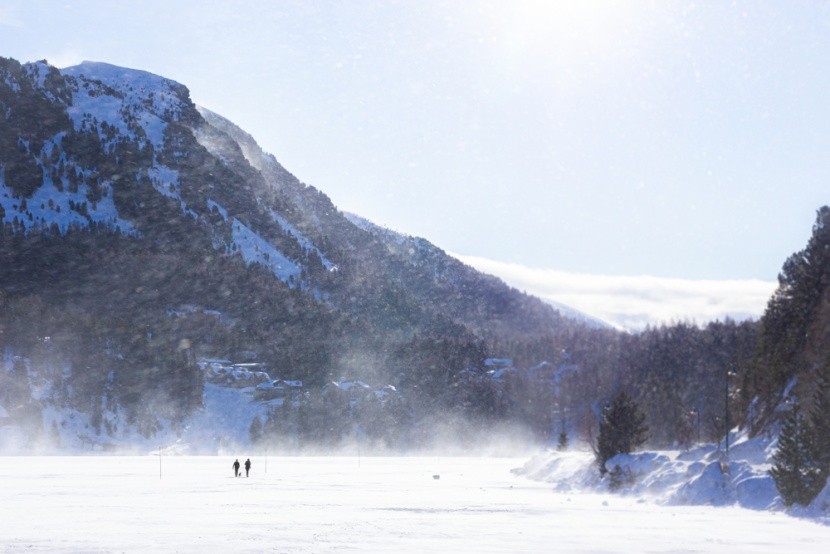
{"points": [[236, 468], [247, 466]]}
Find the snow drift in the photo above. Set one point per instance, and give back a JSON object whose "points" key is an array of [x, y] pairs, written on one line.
{"points": [[702, 476]]}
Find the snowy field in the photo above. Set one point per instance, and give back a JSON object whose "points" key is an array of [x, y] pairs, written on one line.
{"points": [[194, 504]]}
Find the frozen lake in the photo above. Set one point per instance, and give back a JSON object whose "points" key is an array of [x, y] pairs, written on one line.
{"points": [[194, 504]]}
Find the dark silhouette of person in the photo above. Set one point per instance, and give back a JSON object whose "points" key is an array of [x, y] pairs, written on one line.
{"points": [[236, 468], [247, 466]]}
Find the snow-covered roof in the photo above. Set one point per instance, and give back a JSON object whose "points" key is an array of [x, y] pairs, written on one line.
{"points": [[540, 366], [499, 373], [214, 361], [498, 362], [388, 390], [349, 385]]}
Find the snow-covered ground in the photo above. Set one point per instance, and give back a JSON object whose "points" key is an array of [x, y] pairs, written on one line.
{"points": [[327, 504]]}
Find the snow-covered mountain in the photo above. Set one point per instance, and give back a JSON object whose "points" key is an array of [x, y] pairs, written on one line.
{"points": [[140, 233], [587, 319]]}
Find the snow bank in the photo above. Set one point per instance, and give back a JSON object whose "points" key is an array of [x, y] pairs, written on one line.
{"points": [[819, 508], [703, 476]]}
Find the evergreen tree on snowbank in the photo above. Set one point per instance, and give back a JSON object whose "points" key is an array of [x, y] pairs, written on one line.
{"points": [[801, 465], [795, 471], [621, 429]]}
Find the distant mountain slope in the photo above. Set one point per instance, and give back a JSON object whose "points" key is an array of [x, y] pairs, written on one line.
{"points": [[484, 302], [589, 320]]}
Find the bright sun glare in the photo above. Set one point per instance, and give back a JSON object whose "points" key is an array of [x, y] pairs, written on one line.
{"points": [[562, 23], [563, 36]]}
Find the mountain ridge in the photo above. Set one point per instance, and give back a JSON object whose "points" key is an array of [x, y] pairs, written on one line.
{"points": [[123, 202]]}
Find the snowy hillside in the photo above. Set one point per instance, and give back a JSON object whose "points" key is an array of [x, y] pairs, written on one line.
{"points": [[136, 103], [140, 233]]}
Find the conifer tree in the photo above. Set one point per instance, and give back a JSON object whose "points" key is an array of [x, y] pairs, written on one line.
{"points": [[820, 420], [621, 429], [562, 444], [255, 431], [795, 470], [783, 339]]}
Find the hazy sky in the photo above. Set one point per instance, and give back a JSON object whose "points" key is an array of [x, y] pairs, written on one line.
{"points": [[684, 141]]}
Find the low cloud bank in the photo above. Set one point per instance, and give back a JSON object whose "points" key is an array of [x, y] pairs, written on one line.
{"points": [[633, 302]]}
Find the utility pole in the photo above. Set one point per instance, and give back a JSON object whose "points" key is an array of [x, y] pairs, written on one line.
{"points": [[729, 373]]}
